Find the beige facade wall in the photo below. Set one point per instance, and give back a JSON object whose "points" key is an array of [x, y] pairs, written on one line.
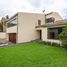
{"points": [[44, 34], [12, 29], [26, 26], [40, 17], [55, 15], [3, 35]]}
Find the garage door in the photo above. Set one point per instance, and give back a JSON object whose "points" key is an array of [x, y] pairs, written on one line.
{"points": [[12, 37]]}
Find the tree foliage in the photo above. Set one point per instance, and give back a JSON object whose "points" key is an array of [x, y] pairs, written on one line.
{"points": [[63, 36]]}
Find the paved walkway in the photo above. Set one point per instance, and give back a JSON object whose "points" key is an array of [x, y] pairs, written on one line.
{"points": [[5, 43]]}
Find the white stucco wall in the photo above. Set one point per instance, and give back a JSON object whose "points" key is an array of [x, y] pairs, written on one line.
{"points": [[12, 29], [26, 27], [44, 34], [40, 17]]}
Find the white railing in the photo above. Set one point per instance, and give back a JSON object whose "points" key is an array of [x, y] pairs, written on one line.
{"points": [[54, 41]]}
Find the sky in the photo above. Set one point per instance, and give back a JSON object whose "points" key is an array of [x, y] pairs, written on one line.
{"points": [[10, 7]]}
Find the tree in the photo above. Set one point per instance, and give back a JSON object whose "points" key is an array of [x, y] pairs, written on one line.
{"points": [[63, 36]]}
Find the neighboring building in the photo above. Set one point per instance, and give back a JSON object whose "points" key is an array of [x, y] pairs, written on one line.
{"points": [[3, 26], [26, 27]]}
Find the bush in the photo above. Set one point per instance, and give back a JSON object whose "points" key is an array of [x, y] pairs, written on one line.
{"points": [[56, 44]]}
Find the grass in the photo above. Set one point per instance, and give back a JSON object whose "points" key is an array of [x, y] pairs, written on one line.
{"points": [[33, 54]]}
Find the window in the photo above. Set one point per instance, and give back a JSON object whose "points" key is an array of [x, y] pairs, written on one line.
{"points": [[52, 35], [39, 22], [49, 20]]}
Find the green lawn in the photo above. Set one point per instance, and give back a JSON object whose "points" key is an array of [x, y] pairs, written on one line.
{"points": [[33, 54]]}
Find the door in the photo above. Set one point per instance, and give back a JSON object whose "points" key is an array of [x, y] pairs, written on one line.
{"points": [[12, 37], [40, 34]]}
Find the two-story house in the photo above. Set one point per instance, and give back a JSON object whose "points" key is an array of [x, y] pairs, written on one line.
{"points": [[26, 27]]}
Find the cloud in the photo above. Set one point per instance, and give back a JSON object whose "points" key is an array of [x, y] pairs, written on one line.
{"points": [[9, 7], [12, 6], [35, 3], [64, 13], [51, 5]]}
